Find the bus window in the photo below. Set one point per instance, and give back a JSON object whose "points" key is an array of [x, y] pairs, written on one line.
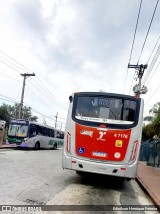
{"points": [[59, 135], [33, 130], [51, 133], [19, 130], [129, 110], [105, 109]]}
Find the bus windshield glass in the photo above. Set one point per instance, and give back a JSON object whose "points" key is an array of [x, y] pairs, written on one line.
{"points": [[18, 130], [111, 110]]}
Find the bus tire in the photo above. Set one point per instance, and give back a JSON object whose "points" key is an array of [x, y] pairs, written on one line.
{"points": [[80, 173], [55, 146], [37, 145]]}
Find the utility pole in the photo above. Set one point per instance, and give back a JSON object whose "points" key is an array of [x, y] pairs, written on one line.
{"points": [[56, 120], [25, 75], [138, 89]]}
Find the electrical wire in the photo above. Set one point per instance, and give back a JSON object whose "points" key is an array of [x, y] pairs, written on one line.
{"points": [[32, 109], [51, 93], [133, 43], [152, 74], [153, 49], [148, 32], [10, 66], [45, 95], [154, 60], [152, 95], [27, 87], [10, 77], [55, 99]]}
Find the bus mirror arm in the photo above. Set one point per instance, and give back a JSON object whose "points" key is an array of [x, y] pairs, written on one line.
{"points": [[70, 99]]}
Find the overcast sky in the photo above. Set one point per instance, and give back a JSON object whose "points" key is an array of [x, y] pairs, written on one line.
{"points": [[74, 45]]}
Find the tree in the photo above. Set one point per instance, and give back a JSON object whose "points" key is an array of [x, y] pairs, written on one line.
{"points": [[147, 132], [154, 110], [154, 127], [8, 112]]}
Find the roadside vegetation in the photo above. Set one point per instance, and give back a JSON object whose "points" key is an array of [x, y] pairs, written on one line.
{"points": [[153, 127]]}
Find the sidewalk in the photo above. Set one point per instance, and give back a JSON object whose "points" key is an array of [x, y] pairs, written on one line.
{"points": [[149, 178]]}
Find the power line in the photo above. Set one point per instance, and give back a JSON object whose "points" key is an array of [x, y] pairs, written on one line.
{"points": [[14, 60], [154, 60], [29, 81], [26, 85], [148, 31], [133, 43], [42, 101], [51, 93], [32, 109], [12, 63], [17, 80], [10, 66], [153, 73], [9, 77], [151, 62], [7, 100], [153, 49], [152, 95], [57, 103], [51, 96], [45, 94]]}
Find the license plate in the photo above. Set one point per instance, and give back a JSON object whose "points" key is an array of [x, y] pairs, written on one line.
{"points": [[99, 154]]}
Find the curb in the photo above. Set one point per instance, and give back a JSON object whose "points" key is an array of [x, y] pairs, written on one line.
{"points": [[7, 147], [152, 196]]}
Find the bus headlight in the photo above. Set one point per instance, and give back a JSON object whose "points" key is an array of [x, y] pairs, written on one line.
{"points": [[26, 140]]}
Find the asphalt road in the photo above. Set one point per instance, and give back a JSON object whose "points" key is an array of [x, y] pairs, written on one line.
{"points": [[30, 177]]}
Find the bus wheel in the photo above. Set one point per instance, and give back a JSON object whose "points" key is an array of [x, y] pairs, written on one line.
{"points": [[80, 173], [37, 145], [55, 146]]}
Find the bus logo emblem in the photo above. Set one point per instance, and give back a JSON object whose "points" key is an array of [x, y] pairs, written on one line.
{"points": [[81, 150], [101, 135], [85, 132]]}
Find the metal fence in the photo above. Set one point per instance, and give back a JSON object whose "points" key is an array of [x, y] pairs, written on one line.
{"points": [[150, 153]]}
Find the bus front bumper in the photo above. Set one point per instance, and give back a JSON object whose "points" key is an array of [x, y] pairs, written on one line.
{"points": [[23, 145], [120, 170]]}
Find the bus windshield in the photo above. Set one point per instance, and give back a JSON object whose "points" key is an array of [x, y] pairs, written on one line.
{"points": [[18, 130], [105, 109]]}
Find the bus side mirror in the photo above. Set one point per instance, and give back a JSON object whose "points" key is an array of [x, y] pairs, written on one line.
{"points": [[70, 99]]}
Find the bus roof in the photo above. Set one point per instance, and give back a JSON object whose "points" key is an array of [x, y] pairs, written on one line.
{"points": [[109, 94], [33, 122]]}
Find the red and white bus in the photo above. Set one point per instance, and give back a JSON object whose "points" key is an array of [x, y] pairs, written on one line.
{"points": [[103, 134]]}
